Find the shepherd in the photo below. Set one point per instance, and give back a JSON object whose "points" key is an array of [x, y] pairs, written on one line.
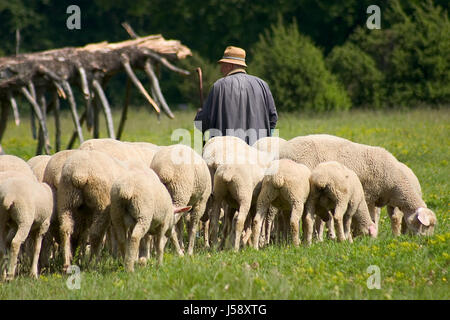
{"points": [[238, 104]]}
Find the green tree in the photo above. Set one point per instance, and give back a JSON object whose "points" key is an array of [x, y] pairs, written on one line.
{"points": [[358, 72], [413, 53], [295, 71]]}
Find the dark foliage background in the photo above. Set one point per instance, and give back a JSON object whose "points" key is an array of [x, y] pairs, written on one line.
{"points": [[406, 63]]}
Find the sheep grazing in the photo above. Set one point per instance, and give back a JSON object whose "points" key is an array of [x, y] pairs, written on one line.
{"points": [[38, 165], [286, 187], [238, 185], [186, 177], [398, 224], [84, 200], [231, 150], [336, 188], [25, 210], [140, 204], [52, 176], [13, 163], [383, 180]]}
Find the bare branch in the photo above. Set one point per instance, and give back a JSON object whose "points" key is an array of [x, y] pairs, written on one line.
{"points": [[87, 97], [57, 121], [13, 103], [155, 84], [129, 30], [126, 63], [123, 117], [106, 108], [38, 114], [165, 62], [73, 108]]}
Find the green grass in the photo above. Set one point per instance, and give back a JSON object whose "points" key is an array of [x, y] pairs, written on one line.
{"points": [[410, 267]]}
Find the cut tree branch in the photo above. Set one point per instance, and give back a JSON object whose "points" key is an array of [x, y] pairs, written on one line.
{"points": [[155, 84], [137, 83], [106, 108]]}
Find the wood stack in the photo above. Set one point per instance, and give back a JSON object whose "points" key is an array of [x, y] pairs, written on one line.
{"points": [[50, 76]]}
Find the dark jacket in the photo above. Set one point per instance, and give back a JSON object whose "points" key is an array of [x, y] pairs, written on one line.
{"points": [[238, 101]]}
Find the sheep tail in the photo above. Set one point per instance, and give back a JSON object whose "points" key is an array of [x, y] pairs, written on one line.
{"points": [[79, 178], [8, 201], [227, 176], [125, 190], [277, 180]]}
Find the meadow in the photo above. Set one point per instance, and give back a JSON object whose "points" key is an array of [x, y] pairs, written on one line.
{"points": [[410, 267]]}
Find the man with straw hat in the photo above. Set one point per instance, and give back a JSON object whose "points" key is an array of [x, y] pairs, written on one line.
{"points": [[238, 104]]}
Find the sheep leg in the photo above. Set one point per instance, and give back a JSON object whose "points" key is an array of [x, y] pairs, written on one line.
{"points": [[331, 234], [308, 223], [197, 212], [396, 217], [319, 225], [66, 230], [262, 236], [179, 227], [3, 233], [248, 226], [131, 253], [260, 216], [266, 197], [238, 224], [120, 230], [214, 222], [296, 213], [227, 225], [161, 240], [270, 222], [38, 236], [97, 233], [20, 236], [338, 216], [144, 249], [347, 227], [176, 242], [206, 233], [374, 213]]}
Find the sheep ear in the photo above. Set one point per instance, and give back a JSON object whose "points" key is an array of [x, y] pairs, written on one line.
{"points": [[423, 217], [179, 211]]}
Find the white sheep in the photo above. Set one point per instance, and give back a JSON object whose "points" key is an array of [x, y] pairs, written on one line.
{"points": [[238, 185], [25, 206], [231, 150], [286, 187], [140, 204], [52, 176], [336, 188], [84, 199], [186, 176], [398, 224], [384, 182], [13, 163], [38, 165]]}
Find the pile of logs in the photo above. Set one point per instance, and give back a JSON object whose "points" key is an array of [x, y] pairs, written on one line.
{"points": [[43, 78]]}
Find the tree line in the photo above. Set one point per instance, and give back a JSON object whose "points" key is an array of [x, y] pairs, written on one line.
{"points": [[315, 54]]}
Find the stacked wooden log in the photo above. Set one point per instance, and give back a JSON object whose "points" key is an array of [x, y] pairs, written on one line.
{"points": [[43, 78]]}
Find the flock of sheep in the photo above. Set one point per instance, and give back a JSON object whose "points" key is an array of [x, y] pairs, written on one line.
{"points": [[132, 197]]}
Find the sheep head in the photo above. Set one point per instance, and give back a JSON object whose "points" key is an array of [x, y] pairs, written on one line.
{"points": [[422, 222]]}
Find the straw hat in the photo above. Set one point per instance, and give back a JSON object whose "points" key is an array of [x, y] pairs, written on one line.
{"points": [[234, 55]]}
